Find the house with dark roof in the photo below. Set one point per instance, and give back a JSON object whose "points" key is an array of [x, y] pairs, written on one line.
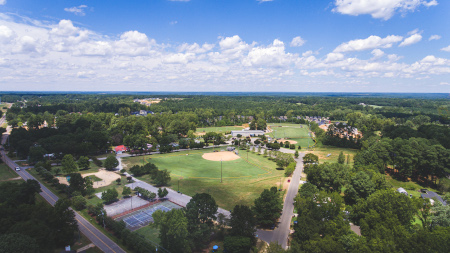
{"points": [[433, 195]]}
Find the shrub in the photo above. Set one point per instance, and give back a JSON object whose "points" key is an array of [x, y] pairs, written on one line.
{"points": [[290, 169], [79, 202]]}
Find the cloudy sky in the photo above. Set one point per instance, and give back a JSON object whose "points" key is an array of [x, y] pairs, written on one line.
{"points": [[225, 45]]}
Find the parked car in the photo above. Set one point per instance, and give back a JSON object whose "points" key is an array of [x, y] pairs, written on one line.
{"points": [[17, 168]]}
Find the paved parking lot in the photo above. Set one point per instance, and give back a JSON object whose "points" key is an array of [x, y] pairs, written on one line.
{"points": [[124, 205]]}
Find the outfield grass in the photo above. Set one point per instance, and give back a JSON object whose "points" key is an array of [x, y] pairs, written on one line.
{"points": [[295, 132], [218, 129], [149, 232], [323, 151], [6, 173], [242, 182], [194, 166]]}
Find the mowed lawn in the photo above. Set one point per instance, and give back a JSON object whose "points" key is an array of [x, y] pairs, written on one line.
{"points": [[149, 232], [6, 173], [218, 129], [324, 151], [242, 182], [295, 132]]}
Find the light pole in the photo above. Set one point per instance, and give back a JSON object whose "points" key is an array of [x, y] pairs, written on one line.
{"points": [[280, 182], [103, 217], [220, 170]]}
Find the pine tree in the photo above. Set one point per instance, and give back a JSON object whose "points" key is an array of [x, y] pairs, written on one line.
{"points": [[341, 158]]}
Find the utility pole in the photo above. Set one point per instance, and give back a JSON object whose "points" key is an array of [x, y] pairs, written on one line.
{"points": [[280, 182]]}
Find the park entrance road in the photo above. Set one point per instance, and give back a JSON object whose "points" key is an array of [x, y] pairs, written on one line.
{"points": [[98, 238], [282, 231]]}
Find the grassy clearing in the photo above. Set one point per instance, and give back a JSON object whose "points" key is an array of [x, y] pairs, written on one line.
{"points": [[323, 151], [150, 233], [194, 175], [411, 187], [7, 174], [218, 129]]}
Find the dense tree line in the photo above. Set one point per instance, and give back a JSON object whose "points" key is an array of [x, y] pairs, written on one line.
{"points": [[31, 226], [416, 158], [385, 217]]}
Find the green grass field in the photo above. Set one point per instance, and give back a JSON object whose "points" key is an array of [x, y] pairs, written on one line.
{"points": [[149, 233], [242, 182], [218, 129], [6, 173], [295, 132], [323, 151]]}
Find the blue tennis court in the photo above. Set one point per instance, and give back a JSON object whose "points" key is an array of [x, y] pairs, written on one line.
{"points": [[143, 217]]}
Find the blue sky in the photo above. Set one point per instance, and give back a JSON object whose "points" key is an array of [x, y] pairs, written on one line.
{"points": [[225, 45]]}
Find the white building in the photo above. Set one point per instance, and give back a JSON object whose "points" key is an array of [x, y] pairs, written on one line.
{"points": [[246, 133]]}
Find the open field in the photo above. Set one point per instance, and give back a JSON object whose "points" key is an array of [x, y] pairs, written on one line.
{"points": [[323, 151], [149, 233], [294, 132], [242, 182], [6, 174], [410, 186], [218, 129]]}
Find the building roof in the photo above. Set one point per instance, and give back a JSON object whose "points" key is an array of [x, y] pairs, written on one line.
{"points": [[120, 148], [248, 131], [431, 195]]}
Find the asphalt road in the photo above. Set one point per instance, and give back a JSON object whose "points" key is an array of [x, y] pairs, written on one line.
{"points": [[98, 238], [281, 232]]}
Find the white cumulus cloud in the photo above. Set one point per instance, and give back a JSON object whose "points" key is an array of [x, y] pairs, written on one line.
{"points": [[446, 49], [2, 2], [371, 42], [297, 42], [6, 34], [377, 53], [413, 39], [382, 9], [434, 37], [77, 10], [273, 55]]}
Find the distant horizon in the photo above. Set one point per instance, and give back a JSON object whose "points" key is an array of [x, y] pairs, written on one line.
{"points": [[430, 95]]}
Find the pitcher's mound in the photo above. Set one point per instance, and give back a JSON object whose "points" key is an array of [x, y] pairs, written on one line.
{"points": [[223, 155]]}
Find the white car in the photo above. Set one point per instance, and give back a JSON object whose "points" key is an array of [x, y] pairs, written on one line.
{"points": [[17, 169]]}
